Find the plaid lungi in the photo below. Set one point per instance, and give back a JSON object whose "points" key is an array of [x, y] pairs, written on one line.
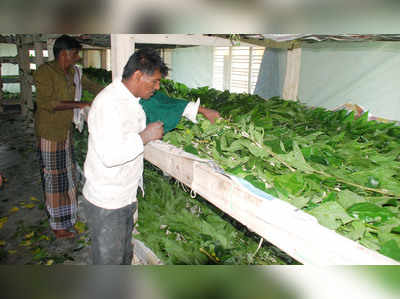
{"points": [[58, 173]]}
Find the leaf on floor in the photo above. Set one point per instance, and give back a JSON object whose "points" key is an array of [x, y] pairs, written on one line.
{"points": [[14, 209], [3, 221], [26, 243]]}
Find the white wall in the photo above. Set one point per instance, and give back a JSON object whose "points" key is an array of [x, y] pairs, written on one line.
{"points": [[192, 66]]}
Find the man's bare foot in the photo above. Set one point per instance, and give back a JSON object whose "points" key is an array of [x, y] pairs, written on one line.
{"points": [[63, 234]]}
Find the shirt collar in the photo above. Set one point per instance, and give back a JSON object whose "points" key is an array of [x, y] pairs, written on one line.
{"points": [[54, 64], [125, 91]]}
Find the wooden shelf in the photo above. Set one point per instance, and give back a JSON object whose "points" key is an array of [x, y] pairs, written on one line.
{"points": [[10, 80], [290, 229]]}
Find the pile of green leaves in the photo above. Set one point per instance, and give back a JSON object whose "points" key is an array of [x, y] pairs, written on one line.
{"points": [[6, 95], [104, 78], [344, 171], [80, 140], [183, 230], [101, 76], [180, 229]]}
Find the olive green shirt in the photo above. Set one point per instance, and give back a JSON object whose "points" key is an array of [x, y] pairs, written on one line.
{"points": [[52, 87]]}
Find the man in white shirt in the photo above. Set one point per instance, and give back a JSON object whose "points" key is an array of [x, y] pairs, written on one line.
{"points": [[114, 162]]}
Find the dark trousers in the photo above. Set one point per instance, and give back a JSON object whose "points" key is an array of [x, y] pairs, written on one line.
{"points": [[111, 234]]}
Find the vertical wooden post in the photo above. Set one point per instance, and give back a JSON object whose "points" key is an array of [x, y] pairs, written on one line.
{"points": [[227, 70], [38, 47], [250, 70], [292, 77], [103, 59], [167, 57], [24, 75], [85, 58], [1, 92], [50, 45], [122, 47]]}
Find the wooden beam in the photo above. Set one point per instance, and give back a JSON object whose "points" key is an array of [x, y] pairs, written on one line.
{"points": [[38, 47], [122, 47], [185, 39], [292, 230], [7, 39], [15, 79], [50, 45], [292, 77], [250, 70], [24, 74], [9, 59], [103, 59], [1, 91], [13, 59], [85, 58]]}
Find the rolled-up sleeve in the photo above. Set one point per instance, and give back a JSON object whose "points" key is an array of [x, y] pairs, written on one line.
{"points": [[112, 143], [191, 110], [45, 89]]}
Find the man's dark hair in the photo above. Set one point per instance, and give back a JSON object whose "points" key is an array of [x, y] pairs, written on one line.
{"points": [[145, 60], [65, 42]]}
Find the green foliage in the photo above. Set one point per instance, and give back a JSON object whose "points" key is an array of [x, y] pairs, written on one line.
{"points": [[80, 140], [102, 76], [184, 230], [342, 169], [328, 163]]}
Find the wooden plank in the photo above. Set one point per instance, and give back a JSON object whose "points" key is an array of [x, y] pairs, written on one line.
{"points": [[185, 39], [292, 77], [7, 39], [142, 255], [8, 59], [11, 80], [178, 165], [13, 59], [292, 230]]}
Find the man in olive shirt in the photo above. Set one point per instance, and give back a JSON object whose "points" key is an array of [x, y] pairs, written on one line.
{"points": [[55, 99]]}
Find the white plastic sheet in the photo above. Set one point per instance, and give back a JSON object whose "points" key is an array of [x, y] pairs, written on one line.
{"points": [[335, 73], [193, 66]]}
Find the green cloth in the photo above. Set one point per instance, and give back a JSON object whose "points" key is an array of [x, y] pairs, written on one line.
{"points": [[161, 107]]}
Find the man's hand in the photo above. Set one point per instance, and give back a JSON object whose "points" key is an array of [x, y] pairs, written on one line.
{"points": [[67, 105], [210, 114], [153, 131]]}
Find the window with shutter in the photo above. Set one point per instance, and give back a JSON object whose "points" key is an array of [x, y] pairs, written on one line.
{"points": [[237, 68]]}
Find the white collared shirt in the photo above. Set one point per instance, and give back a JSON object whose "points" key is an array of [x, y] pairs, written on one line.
{"points": [[114, 163]]}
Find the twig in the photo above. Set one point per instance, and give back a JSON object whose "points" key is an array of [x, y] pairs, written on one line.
{"points": [[381, 191], [258, 248]]}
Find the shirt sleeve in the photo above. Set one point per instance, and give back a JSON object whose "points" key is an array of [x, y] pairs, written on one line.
{"points": [[45, 89], [112, 143], [91, 86], [191, 110]]}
